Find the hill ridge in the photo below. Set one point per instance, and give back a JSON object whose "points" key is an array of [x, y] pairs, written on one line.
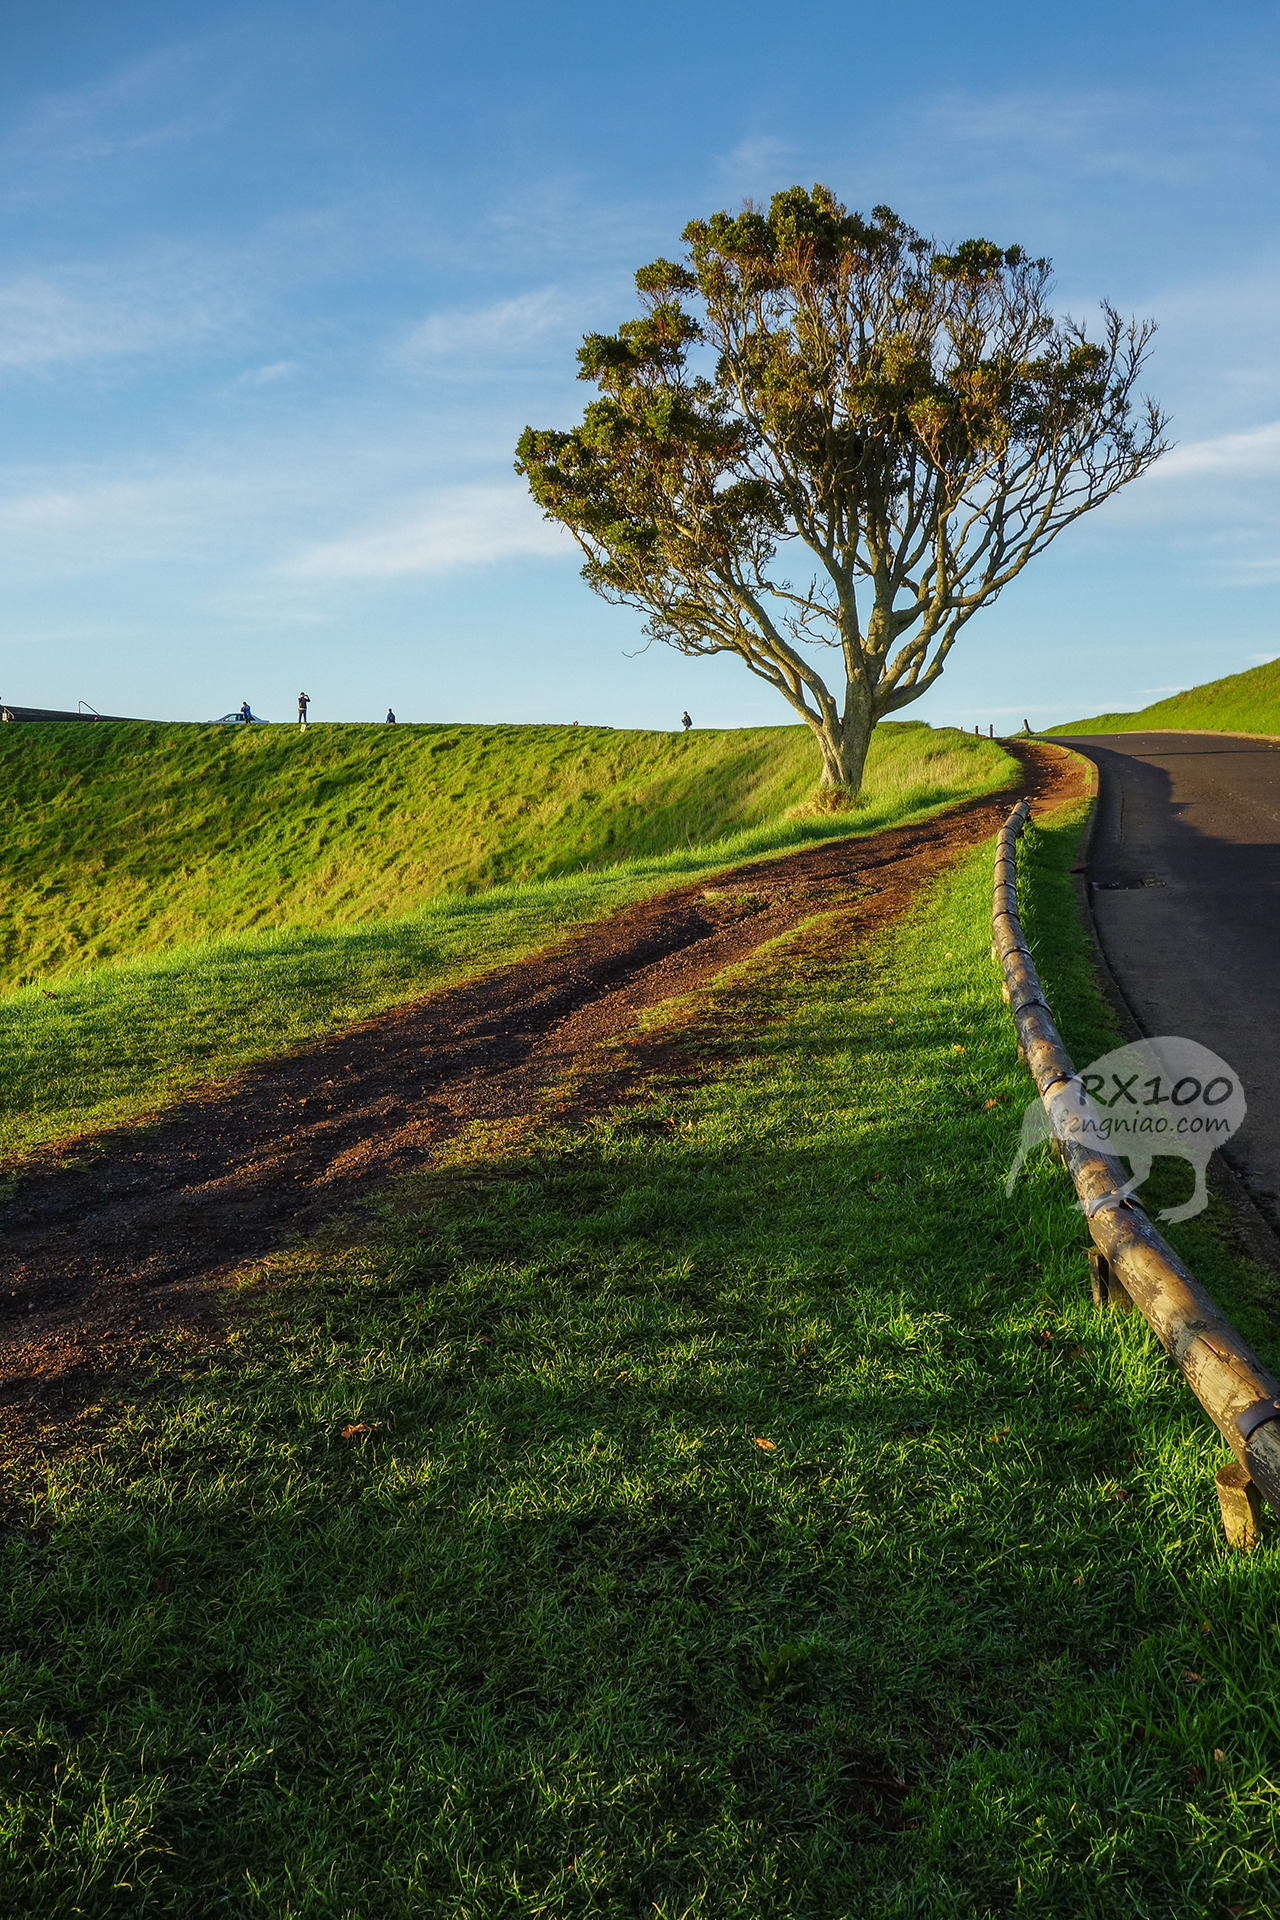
{"points": [[1247, 702]]}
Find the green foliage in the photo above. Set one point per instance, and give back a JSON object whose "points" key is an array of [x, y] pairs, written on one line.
{"points": [[548, 1632], [1241, 703], [179, 833], [812, 387]]}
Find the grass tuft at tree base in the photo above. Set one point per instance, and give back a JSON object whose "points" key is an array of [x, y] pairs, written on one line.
{"points": [[729, 1506]]}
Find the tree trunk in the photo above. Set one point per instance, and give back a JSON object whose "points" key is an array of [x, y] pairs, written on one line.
{"points": [[844, 751]]}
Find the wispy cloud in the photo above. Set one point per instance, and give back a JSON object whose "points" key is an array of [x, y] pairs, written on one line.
{"points": [[98, 512], [460, 527], [47, 319], [506, 326], [130, 110], [267, 376], [88, 523], [1238, 456], [758, 164], [1098, 132]]}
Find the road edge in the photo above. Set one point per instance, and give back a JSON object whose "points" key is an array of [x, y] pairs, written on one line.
{"points": [[1257, 1235]]}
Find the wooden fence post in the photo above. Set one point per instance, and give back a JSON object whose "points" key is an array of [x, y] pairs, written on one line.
{"points": [[1131, 1264]]}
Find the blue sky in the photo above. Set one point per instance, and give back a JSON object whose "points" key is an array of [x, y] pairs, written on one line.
{"points": [[281, 284]]}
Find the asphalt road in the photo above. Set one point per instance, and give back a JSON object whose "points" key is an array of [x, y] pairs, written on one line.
{"points": [[1184, 874]]}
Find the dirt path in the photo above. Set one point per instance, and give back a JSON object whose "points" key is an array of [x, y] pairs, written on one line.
{"points": [[98, 1256]]}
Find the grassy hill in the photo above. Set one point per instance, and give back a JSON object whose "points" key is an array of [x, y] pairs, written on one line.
{"points": [[180, 903], [123, 839], [729, 1506], [1242, 703]]}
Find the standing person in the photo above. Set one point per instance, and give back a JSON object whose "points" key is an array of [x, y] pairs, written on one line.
{"points": [[391, 719], [685, 721], [245, 714], [304, 701]]}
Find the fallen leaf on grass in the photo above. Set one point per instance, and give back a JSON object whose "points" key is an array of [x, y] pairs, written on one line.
{"points": [[993, 1437], [766, 1446], [956, 1047], [1193, 1776], [354, 1431], [990, 1103], [1078, 1581], [1219, 1755], [1190, 1679]]}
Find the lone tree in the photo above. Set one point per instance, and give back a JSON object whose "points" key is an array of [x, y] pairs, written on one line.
{"points": [[910, 426]]}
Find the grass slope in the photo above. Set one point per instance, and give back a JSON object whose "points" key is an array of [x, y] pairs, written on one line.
{"points": [[730, 1507], [92, 1045], [120, 839], [1242, 703], [128, 838]]}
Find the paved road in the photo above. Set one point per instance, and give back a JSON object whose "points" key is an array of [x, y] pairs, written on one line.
{"points": [[1185, 880]]}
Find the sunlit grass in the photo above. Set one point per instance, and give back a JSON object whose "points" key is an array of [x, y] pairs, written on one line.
{"points": [[1242, 703], [97, 1045], [124, 839], [551, 1632]]}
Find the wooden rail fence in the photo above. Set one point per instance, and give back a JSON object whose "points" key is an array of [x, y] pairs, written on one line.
{"points": [[1131, 1264]]}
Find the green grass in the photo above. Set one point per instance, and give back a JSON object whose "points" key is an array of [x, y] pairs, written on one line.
{"points": [[93, 1045], [123, 839], [551, 1633], [1242, 703]]}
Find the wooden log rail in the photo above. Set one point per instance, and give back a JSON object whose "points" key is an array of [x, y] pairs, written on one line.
{"points": [[1131, 1263]]}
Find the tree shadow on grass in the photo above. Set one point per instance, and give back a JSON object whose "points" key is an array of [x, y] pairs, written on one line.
{"points": [[473, 1575]]}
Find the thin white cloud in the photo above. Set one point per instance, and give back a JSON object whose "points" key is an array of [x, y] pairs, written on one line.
{"points": [[267, 376], [48, 320], [461, 527], [248, 498], [1089, 133], [1250, 455], [506, 326], [759, 164], [129, 110], [100, 512]]}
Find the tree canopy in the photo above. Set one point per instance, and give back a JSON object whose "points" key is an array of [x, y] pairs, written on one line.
{"points": [[810, 390]]}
